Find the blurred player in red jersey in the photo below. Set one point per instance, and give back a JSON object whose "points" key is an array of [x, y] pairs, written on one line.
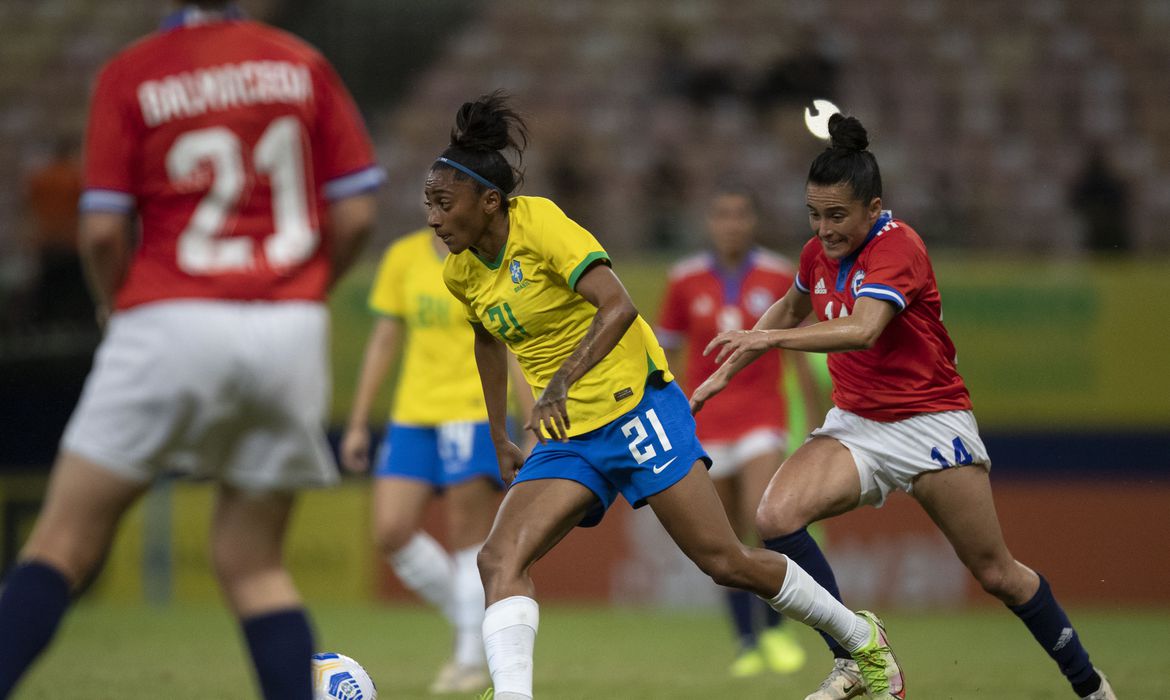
{"points": [[246, 162], [729, 288], [902, 417]]}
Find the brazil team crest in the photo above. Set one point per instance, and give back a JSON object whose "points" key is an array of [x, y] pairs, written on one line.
{"points": [[517, 273]]}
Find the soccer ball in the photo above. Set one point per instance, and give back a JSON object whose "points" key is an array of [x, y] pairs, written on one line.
{"points": [[338, 677]]}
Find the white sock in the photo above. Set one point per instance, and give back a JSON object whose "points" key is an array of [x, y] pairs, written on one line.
{"points": [[509, 637], [803, 599], [424, 567], [467, 608]]}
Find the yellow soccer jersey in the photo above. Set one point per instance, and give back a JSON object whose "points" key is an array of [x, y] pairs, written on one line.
{"points": [[437, 380], [526, 297]]}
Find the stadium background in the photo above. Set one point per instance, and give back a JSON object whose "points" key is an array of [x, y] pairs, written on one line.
{"points": [[984, 116]]}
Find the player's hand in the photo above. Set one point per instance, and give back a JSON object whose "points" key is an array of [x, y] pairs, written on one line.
{"points": [[550, 413], [355, 449], [714, 384], [510, 458], [735, 344]]}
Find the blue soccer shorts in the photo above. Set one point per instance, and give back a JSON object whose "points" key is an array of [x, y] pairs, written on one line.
{"points": [[645, 451], [443, 455]]}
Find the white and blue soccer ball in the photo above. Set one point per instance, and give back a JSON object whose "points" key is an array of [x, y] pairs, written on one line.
{"points": [[338, 677]]}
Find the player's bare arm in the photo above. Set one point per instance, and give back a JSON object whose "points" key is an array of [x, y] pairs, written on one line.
{"points": [[858, 331], [491, 359], [104, 243], [615, 314], [382, 348], [350, 222]]}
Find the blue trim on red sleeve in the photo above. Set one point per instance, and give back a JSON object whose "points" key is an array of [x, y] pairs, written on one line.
{"points": [[105, 201], [884, 293], [360, 182], [800, 285]]}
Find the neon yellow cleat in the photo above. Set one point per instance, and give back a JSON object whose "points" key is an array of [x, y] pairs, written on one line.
{"points": [[781, 651], [877, 663], [749, 662]]}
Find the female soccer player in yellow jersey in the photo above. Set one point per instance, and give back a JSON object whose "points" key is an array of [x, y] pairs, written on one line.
{"points": [[608, 416], [437, 441]]}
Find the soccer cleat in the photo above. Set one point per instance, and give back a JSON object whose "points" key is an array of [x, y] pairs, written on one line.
{"points": [[781, 651], [1105, 692], [844, 682], [458, 678], [877, 664], [749, 662]]}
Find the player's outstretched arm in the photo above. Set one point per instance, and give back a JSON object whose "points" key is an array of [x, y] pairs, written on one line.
{"points": [[381, 349], [350, 222], [787, 312], [491, 359], [104, 244], [615, 314]]}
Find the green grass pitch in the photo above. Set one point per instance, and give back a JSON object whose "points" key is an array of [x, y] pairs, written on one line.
{"points": [[114, 652]]}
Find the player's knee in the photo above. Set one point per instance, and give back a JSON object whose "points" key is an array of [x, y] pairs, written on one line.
{"points": [[995, 578], [776, 518], [391, 536], [725, 567], [494, 563]]}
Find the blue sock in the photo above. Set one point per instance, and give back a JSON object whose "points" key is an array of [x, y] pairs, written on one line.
{"points": [[1050, 626], [282, 648], [801, 548], [742, 606], [35, 598]]}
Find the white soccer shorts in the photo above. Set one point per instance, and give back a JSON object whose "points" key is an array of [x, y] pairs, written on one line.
{"points": [[891, 455], [729, 457], [234, 391]]}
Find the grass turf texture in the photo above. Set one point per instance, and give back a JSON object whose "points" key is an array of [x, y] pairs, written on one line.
{"points": [[188, 652]]}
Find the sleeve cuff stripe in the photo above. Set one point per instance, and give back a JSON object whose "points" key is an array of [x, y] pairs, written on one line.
{"points": [[362, 181], [106, 201], [883, 293], [584, 265], [800, 286]]}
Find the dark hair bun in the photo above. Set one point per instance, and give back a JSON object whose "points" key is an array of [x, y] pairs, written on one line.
{"points": [[847, 133], [482, 125]]}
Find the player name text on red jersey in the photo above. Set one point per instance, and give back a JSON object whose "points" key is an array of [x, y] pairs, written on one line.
{"points": [[194, 93]]}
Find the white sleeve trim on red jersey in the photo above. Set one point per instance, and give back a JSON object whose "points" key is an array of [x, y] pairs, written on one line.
{"points": [[669, 340], [360, 182], [884, 293], [800, 285], [111, 201]]}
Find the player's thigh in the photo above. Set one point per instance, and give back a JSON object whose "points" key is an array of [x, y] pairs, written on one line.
{"points": [[960, 502], [82, 507], [757, 472], [533, 517], [818, 481], [398, 507], [471, 507], [693, 515], [728, 489]]}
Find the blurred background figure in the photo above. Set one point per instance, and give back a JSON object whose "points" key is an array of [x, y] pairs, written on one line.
{"points": [[744, 429], [51, 194], [1101, 199], [437, 443]]}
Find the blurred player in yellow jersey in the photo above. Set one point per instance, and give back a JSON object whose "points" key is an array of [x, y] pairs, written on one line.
{"points": [[437, 442]]}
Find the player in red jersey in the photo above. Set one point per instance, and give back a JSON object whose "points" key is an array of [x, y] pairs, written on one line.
{"points": [[902, 417], [242, 155], [729, 288]]}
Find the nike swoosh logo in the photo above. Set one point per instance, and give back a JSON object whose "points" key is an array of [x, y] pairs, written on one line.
{"points": [[848, 688], [658, 470]]}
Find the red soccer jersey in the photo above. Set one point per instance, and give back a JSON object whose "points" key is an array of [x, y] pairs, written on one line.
{"points": [[702, 301], [230, 138], [911, 368]]}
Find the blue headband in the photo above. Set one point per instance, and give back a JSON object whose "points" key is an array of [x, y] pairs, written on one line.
{"points": [[468, 171]]}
